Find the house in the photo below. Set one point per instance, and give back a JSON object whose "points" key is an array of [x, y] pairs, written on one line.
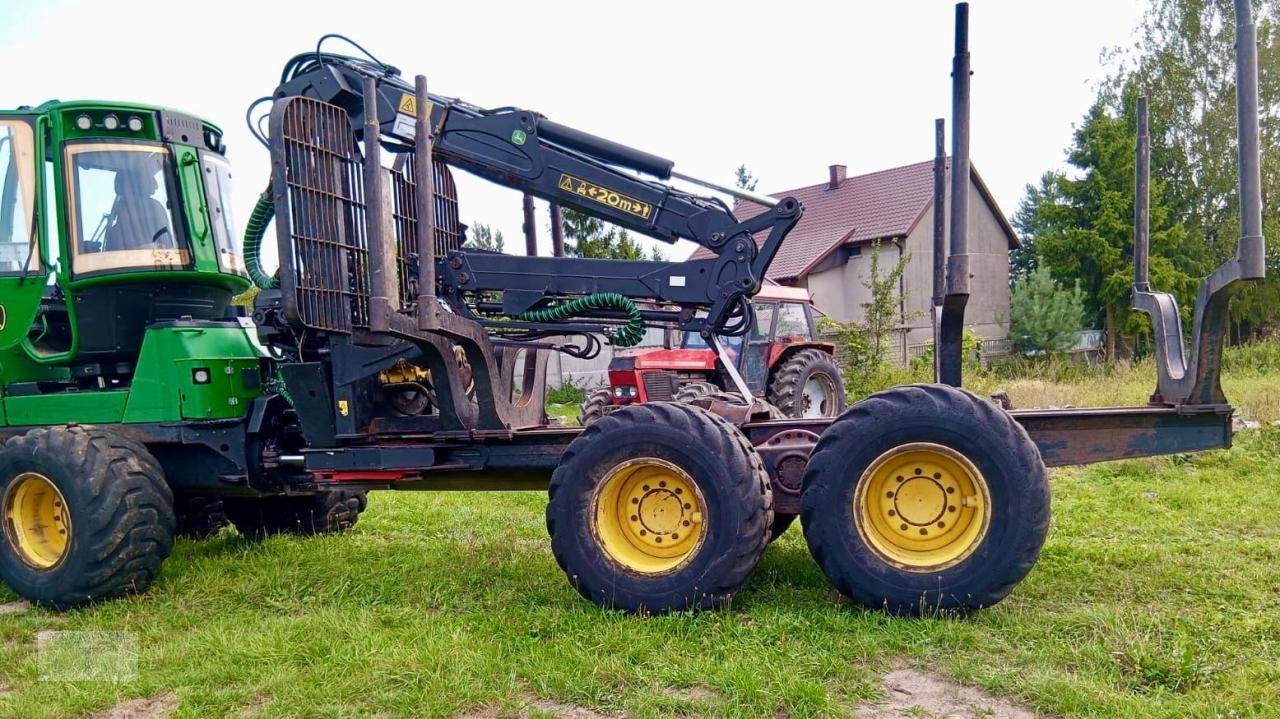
{"points": [[829, 251]]}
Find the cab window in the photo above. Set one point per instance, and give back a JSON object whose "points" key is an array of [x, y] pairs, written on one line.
{"points": [[121, 197], [793, 321], [19, 247], [217, 189], [764, 320]]}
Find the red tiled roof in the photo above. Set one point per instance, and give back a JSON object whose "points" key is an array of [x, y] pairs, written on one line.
{"points": [[878, 205]]}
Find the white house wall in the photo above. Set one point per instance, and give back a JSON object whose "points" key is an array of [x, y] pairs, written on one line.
{"points": [[841, 291]]}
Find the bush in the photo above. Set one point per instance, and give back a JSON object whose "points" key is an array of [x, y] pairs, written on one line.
{"points": [[569, 392], [1252, 357]]}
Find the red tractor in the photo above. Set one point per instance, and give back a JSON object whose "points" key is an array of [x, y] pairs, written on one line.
{"points": [[783, 363]]}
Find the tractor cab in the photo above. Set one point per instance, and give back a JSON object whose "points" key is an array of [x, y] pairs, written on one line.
{"points": [[113, 218]]}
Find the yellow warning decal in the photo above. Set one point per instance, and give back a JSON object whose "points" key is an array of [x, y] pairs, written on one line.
{"points": [[605, 196], [408, 104]]}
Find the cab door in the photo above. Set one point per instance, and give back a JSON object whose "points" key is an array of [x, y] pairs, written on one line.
{"points": [[22, 271], [754, 364]]}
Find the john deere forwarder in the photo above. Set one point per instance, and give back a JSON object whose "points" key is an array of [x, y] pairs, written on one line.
{"points": [[136, 399]]}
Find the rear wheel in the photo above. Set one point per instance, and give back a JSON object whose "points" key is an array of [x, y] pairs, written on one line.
{"points": [[593, 406], [87, 515], [199, 517], [659, 507], [925, 498], [325, 512], [808, 384]]}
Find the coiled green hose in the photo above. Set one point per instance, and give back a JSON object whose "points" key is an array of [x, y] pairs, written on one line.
{"points": [[261, 216], [628, 335]]}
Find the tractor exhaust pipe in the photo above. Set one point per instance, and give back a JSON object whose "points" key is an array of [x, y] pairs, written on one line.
{"points": [[951, 322]]}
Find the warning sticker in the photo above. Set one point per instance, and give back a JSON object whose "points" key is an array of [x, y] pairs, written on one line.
{"points": [[605, 196], [408, 104]]}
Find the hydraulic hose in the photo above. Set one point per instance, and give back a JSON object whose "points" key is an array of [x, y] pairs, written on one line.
{"points": [[261, 216], [627, 335]]}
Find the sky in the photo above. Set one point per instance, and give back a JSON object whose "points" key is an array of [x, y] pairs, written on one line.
{"points": [[784, 88]]}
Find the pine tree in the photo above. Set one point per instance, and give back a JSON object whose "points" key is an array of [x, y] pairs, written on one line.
{"points": [[1044, 317]]}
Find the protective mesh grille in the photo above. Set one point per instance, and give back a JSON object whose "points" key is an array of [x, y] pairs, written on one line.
{"points": [[324, 250], [405, 220]]}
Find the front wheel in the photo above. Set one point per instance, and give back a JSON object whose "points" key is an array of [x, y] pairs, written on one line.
{"points": [[925, 498], [87, 516], [593, 407], [659, 507]]}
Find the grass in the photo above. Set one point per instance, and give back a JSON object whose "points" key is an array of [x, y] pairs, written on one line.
{"points": [[1157, 595]]}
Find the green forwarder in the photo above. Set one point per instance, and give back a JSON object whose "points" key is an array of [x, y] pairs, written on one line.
{"points": [[118, 263]]}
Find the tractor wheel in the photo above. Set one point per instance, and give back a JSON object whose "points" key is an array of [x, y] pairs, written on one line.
{"points": [[325, 512], [659, 507], [925, 498], [808, 384], [199, 517], [690, 391], [87, 516], [593, 406]]}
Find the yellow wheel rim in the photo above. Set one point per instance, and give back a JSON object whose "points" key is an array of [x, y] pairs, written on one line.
{"points": [[922, 507], [650, 516], [37, 524]]}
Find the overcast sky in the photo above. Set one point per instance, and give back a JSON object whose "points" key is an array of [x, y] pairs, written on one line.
{"points": [[786, 88]]}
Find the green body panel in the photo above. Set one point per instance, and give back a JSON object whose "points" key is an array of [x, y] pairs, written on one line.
{"points": [[86, 407], [164, 387]]}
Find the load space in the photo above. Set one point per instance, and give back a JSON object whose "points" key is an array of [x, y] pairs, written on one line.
{"points": [[139, 403]]}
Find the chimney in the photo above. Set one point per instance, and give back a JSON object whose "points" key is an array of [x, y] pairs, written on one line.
{"points": [[837, 176]]}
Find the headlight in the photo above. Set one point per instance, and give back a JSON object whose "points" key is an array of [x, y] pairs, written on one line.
{"points": [[84, 122], [200, 375], [111, 122], [135, 123], [624, 391]]}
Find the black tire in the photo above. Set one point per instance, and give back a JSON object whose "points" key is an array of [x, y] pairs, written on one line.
{"points": [[986, 436], [786, 386], [118, 505], [727, 472], [690, 391], [592, 407], [325, 512], [199, 517]]}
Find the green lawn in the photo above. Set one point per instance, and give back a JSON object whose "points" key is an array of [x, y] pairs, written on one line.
{"points": [[1158, 594]]}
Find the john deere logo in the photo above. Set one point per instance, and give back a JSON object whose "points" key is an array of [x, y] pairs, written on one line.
{"points": [[518, 137]]}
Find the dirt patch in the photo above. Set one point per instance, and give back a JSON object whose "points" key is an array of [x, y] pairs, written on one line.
{"points": [[5, 688], [541, 708], [156, 707], [911, 694], [694, 695], [19, 607]]}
